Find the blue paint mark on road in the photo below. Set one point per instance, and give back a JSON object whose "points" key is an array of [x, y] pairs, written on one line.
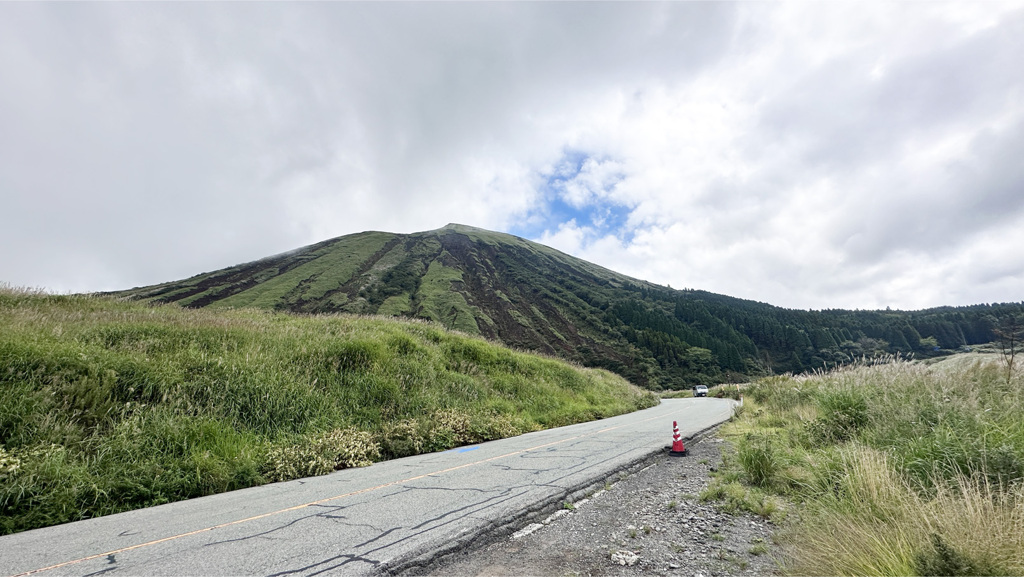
{"points": [[463, 449]]}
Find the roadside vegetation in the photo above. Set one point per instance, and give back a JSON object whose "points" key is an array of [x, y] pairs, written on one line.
{"points": [[107, 406], [894, 469]]}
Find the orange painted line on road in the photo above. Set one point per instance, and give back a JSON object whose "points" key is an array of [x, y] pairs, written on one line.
{"points": [[312, 503]]}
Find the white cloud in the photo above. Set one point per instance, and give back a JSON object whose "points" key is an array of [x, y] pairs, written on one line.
{"points": [[807, 155], [594, 183], [817, 191]]}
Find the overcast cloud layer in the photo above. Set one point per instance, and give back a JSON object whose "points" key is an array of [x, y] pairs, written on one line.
{"points": [[823, 155]]}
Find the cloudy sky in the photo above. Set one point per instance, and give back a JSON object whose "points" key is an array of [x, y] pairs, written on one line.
{"points": [[809, 155]]}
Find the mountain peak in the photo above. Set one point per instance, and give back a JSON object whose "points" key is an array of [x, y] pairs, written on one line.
{"points": [[478, 281], [534, 297], [480, 233], [456, 227]]}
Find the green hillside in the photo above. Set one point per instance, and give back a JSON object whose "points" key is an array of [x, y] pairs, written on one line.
{"points": [[896, 469], [530, 296], [108, 405]]}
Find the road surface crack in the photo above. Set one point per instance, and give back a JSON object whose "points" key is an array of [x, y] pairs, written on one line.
{"points": [[320, 565]]}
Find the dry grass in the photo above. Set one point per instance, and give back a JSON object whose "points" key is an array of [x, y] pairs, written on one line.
{"points": [[892, 469], [875, 523]]}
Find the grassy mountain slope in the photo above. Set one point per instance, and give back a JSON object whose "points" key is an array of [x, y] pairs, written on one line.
{"points": [[530, 296], [491, 284], [107, 406]]}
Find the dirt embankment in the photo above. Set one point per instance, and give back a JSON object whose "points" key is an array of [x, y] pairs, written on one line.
{"points": [[650, 522]]}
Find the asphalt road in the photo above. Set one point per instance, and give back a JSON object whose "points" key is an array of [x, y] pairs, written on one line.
{"points": [[392, 516]]}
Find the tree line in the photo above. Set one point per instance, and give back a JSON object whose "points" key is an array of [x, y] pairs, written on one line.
{"points": [[695, 336]]}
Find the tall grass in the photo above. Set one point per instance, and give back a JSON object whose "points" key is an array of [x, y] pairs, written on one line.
{"points": [[895, 469], [107, 406], [876, 523]]}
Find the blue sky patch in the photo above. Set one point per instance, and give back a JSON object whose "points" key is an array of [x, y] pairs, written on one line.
{"points": [[573, 192]]}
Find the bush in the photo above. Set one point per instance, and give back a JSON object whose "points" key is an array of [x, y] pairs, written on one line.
{"points": [[9, 464], [726, 392], [332, 451], [443, 430], [843, 413], [401, 439]]}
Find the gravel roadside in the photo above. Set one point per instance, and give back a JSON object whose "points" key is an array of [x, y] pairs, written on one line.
{"points": [[649, 522]]}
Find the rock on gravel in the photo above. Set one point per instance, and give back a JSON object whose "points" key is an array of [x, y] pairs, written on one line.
{"points": [[649, 522]]}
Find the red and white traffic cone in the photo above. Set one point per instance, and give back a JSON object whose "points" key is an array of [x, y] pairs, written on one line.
{"points": [[678, 450]]}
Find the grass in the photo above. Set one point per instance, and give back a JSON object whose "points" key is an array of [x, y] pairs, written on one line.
{"points": [[443, 305], [107, 406], [323, 270], [897, 469]]}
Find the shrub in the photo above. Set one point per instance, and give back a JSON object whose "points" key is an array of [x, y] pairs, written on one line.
{"points": [[726, 392], [449, 428], [491, 426], [331, 451], [401, 439], [9, 464], [843, 413], [349, 448]]}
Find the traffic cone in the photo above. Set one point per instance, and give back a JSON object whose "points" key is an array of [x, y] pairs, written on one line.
{"points": [[678, 450]]}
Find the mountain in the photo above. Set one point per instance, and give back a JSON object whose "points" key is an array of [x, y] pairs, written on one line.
{"points": [[531, 296]]}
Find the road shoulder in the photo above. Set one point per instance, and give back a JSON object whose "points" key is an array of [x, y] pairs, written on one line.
{"points": [[649, 522]]}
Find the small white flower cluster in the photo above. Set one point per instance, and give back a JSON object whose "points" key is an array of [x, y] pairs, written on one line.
{"points": [[9, 463], [337, 449]]}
